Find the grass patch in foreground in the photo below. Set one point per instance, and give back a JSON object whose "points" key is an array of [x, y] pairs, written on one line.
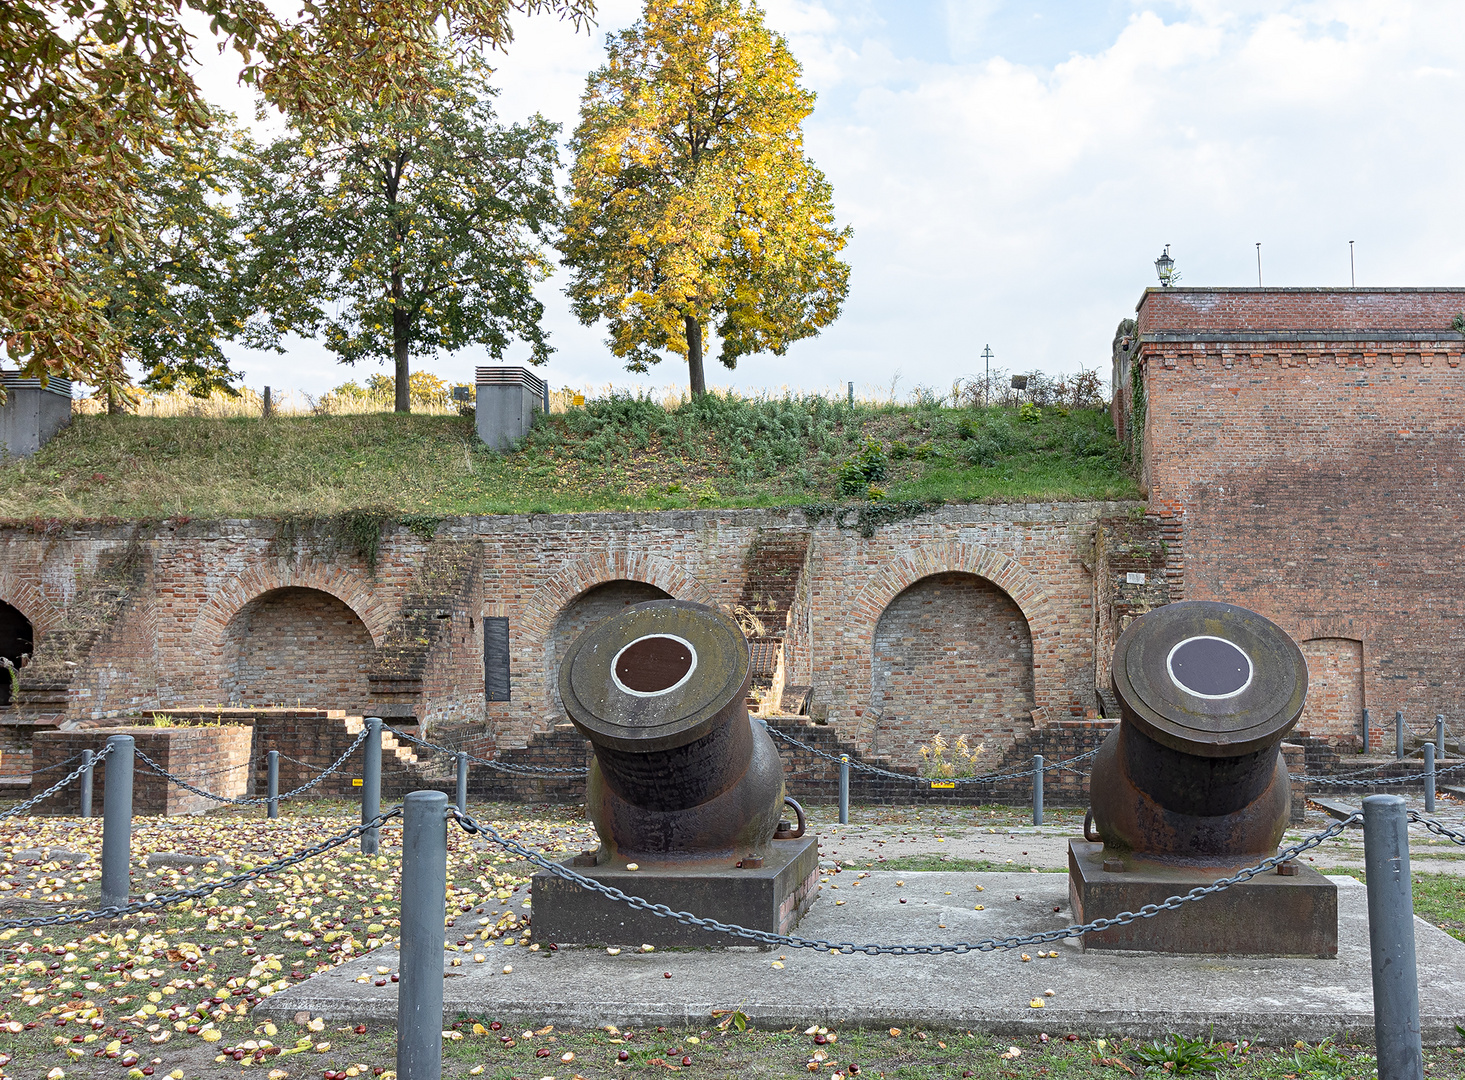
{"points": [[618, 453]]}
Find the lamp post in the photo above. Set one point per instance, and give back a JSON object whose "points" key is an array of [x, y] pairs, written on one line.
{"points": [[1165, 267]]}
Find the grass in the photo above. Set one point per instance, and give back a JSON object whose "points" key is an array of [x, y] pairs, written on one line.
{"points": [[615, 453]]}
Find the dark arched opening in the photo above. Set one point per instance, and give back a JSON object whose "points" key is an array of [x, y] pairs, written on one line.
{"points": [[17, 639]]}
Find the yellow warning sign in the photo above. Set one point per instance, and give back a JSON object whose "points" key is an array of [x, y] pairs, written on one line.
{"points": [[356, 782], [943, 783]]}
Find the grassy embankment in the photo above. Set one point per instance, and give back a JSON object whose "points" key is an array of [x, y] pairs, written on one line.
{"points": [[618, 453]]}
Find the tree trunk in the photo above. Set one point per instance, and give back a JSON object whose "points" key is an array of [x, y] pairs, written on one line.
{"points": [[694, 356], [399, 354]]}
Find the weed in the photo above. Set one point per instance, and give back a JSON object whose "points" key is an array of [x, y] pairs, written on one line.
{"points": [[1324, 1059], [1179, 1055]]}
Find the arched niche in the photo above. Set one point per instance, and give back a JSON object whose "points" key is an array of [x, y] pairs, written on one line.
{"points": [[297, 646], [952, 655]]}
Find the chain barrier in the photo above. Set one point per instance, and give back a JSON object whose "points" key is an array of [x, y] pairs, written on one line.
{"points": [[518, 770], [254, 800], [296, 761], [21, 808], [1344, 781], [1439, 828], [991, 778], [251, 763], [1044, 937], [207, 889], [58, 765]]}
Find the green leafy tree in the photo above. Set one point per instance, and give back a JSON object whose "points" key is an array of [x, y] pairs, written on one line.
{"points": [[172, 301], [406, 228], [92, 87], [691, 199]]}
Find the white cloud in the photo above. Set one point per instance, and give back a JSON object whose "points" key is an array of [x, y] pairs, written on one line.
{"points": [[1022, 203]]}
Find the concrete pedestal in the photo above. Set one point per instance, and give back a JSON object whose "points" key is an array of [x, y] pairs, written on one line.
{"points": [[772, 897], [1270, 915]]}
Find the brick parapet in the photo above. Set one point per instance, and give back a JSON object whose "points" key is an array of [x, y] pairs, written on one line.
{"points": [[215, 758]]}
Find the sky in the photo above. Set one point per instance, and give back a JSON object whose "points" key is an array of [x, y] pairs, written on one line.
{"points": [[1012, 170]]}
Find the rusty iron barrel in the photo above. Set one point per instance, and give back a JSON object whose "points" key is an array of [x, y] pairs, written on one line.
{"points": [[1207, 692], [681, 775]]}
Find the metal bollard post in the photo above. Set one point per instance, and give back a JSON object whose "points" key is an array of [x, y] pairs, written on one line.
{"points": [[1367, 720], [424, 909], [844, 789], [117, 823], [1037, 789], [1429, 777], [1399, 735], [462, 781], [86, 784], [371, 785], [1439, 733], [272, 783], [1391, 939]]}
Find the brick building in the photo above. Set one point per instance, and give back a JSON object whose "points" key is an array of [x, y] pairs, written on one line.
{"points": [[1305, 447]]}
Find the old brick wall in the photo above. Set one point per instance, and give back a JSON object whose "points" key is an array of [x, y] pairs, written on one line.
{"points": [[228, 612], [953, 656], [215, 758], [1312, 444], [297, 647]]}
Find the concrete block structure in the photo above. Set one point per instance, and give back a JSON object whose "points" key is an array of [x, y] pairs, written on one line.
{"points": [[32, 413], [506, 400]]}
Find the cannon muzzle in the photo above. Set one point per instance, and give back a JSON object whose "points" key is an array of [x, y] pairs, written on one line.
{"points": [[1207, 692], [681, 774]]}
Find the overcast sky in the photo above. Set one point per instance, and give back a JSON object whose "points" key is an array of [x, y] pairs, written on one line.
{"points": [[1011, 171]]}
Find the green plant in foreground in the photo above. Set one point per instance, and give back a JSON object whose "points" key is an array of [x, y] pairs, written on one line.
{"points": [[1179, 1055], [1325, 1059]]}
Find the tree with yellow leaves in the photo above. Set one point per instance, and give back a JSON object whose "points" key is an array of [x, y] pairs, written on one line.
{"points": [[692, 201]]}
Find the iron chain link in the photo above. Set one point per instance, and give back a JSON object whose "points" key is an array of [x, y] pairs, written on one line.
{"points": [[167, 899], [1149, 911], [255, 800], [991, 778], [1439, 828], [1347, 781], [21, 808]]}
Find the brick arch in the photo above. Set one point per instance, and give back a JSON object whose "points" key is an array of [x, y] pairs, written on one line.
{"points": [[899, 574], [30, 602], [351, 589], [581, 575]]}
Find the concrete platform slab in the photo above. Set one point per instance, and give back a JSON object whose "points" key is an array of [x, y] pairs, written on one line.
{"points": [[1138, 994]]}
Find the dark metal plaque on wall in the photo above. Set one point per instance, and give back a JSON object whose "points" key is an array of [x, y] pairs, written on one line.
{"points": [[496, 658]]}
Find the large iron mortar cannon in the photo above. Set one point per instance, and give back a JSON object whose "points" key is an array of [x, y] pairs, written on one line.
{"points": [[680, 774], [1207, 692], [1192, 786], [686, 792]]}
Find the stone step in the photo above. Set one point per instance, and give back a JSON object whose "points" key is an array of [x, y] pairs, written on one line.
{"points": [[1335, 808]]}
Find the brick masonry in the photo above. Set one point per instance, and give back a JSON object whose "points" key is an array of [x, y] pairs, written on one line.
{"points": [[215, 757], [1310, 446], [203, 616]]}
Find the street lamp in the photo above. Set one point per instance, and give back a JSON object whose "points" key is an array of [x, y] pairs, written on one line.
{"points": [[1165, 268]]}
